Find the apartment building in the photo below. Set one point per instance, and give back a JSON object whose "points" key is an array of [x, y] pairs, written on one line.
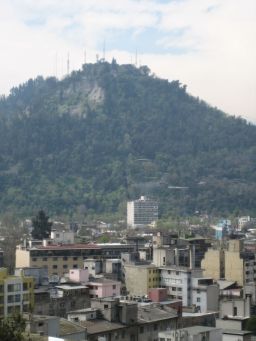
{"points": [[141, 212], [139, 278], [16, 293], [59, 258], [232, 263], [178, 281]]}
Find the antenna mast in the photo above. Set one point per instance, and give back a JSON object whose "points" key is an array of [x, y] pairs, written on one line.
{"points": [[85, 56], [104, 50], [136, 57], [68, 64]]}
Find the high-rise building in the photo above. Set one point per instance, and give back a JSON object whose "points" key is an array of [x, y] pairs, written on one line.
{"points": [[141, 212]]}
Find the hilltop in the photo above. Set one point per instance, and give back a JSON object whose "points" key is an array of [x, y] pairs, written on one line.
{"points": [[110, 132]]}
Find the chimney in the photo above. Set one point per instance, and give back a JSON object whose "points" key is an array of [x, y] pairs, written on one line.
{"points": [[192, 256], [176, 256]]}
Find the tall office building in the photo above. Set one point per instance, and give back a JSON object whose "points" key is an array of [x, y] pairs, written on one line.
{"points": [[141, 212]]}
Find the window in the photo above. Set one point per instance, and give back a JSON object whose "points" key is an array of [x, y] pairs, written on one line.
{"points": [[141, 330], [177, 273], [44, 259], [198, 299], [155, 326], [65, 266], [114, 286], [55, 259], [198, 291], [34, 259], [55, 266], [25, 286], [14, 287], [74, 258], [17, 298], [10, 299], [65, 258], [105, 306], [235, 311]]}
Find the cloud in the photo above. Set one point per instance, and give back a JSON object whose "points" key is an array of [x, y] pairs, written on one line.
{"points": [[207, 44]]}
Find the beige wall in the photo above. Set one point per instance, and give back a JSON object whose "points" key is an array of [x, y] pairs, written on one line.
{"points": [[234, 267], [22, 259], [213, 264], [139, 279]]}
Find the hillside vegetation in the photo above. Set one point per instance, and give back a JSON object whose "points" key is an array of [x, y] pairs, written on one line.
{"points": [[111, 132]]}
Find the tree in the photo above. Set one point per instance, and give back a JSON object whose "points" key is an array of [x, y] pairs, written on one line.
{"points": [[41, 226], [12, 328], [251, 324]]}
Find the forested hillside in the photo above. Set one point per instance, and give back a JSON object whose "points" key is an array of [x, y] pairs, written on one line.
{"points": [[111, 132]]}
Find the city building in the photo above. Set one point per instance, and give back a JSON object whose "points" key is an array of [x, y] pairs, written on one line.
{"points": [[126, 321], [142, 212], [232, 263], [139, 278], [16, 293], [59, 258], [178, 281], [213, 264], [194, 333], [102, 287]]}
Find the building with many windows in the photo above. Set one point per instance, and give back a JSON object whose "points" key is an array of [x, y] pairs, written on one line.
{"points": [[59, 258], [141, 212], [16, 293]]}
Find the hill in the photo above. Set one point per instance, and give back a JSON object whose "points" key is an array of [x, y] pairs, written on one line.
{"points": [[110, 132]]}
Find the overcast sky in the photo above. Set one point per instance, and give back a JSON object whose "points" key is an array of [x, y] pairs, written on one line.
{"points": [[209, 45]]}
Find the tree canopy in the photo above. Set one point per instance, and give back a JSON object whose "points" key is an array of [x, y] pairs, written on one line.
{"points": [[41, 226]]}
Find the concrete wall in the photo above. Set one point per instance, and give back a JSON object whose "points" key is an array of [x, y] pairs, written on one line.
{"points": [[100, 290], [163, 256], [79, 275], [213, 264], [22, 259], [234, 267]]}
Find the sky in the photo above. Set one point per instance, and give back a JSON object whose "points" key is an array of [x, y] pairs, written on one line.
{"points": [[209, 45]]}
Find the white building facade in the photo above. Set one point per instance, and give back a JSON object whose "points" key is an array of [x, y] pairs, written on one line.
{"points": [[142, 212]]}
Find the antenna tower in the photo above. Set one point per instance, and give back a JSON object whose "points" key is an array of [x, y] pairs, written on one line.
{"points": [[136, 57], [68, 64], [104, 50]]}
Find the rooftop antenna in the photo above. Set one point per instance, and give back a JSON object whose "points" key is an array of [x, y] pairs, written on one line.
{"points": [[136, 57], [56, 64], [84, 56], [104, 49], [68, 64]]}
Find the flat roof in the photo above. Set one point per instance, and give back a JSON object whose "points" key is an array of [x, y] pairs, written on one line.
{"points": [[236, 332], [68, 327], [70, 287], [101, 326]]}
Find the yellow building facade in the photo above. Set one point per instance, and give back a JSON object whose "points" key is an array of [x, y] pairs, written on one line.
{"points": [[16, 293]]}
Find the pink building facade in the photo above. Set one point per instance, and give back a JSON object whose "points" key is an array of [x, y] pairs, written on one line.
{"points": [[79, 275], [104, 288]]}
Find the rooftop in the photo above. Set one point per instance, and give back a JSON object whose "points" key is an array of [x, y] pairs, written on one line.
{"points": [[101, 326], [67, 328], [155, 313], [70, 287]]}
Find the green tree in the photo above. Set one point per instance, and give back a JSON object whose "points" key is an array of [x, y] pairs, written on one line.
{"points": [[251, 324], [41, 226], [13, 328]]}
